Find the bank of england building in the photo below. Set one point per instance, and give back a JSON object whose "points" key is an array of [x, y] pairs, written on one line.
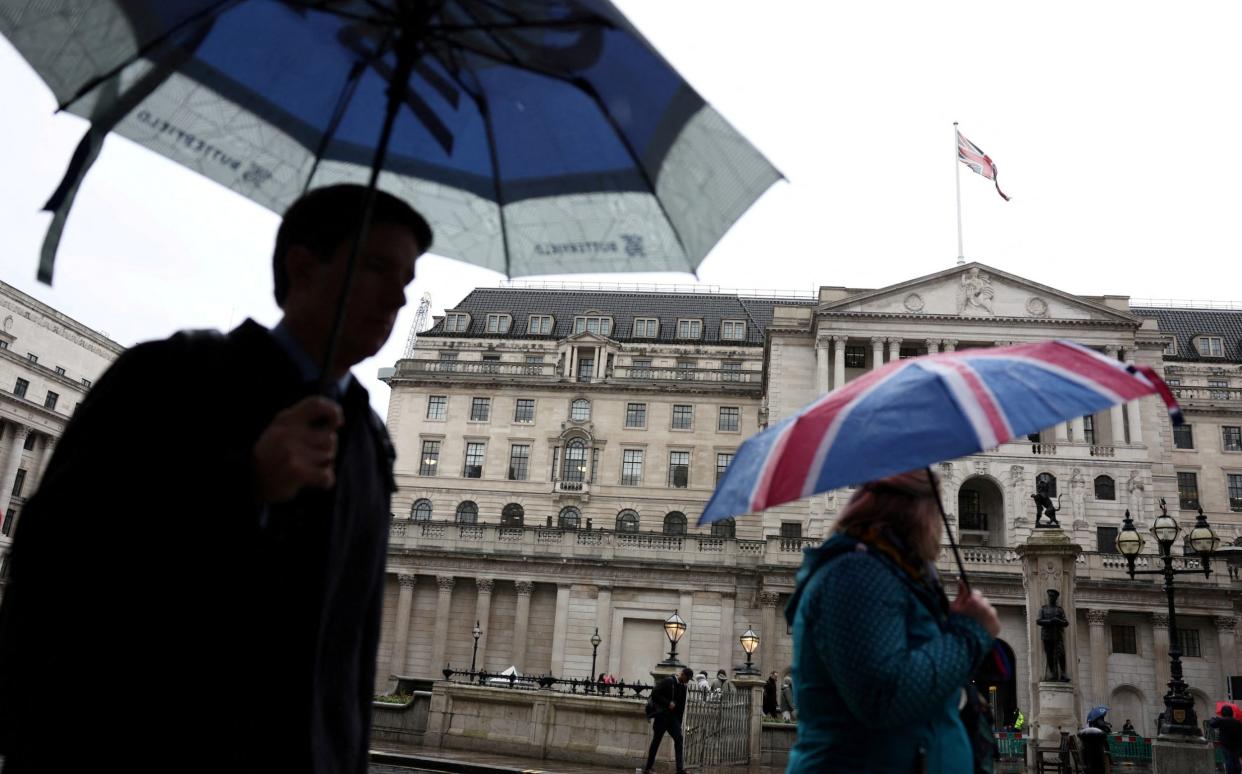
{"points": [[556, 447]]}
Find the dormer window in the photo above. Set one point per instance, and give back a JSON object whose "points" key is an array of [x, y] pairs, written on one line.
{"points": [[456, 322], [601, 326], [733, 330], [539, 324], [689, 329], [646, 327], [498, 323], [1171, 347], [1210, 346]]}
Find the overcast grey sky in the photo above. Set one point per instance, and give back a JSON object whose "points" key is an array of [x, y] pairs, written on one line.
{"points": [[1114, 125]]}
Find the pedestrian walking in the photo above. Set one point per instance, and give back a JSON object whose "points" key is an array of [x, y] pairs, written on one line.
{"points": [[702, 683], [788, 711], [1093, 744], [722, 684], [252, 554], [769, 696], [1229, 737], [881, 655], [669, 700]]}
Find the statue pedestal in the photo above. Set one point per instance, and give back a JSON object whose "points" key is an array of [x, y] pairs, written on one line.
{"points": [[1176, 754], [1057, 712]]}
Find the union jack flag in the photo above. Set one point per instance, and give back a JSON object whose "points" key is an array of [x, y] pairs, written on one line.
{"points": [[916, 412], [973, 156]]}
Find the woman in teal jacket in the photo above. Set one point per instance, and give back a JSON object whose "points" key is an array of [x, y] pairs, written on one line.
{"points": [[880, 654]]}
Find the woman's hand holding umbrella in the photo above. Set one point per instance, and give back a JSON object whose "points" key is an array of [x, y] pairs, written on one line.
{"points": [[976, 607]]}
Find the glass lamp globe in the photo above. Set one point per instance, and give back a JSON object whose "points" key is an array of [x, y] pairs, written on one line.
{"points": [[749, 640], [1129, 539], [674, 627], [1202, 537], [1166, 529]]}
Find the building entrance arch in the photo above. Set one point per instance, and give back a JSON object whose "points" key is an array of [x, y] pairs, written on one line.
{"points": [[981, 512]]}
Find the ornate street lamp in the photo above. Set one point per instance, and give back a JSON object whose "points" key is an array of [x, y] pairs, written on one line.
{"points": [[1179, 705], [674, 629], [750, 642], [595, 641], [478, 632]]}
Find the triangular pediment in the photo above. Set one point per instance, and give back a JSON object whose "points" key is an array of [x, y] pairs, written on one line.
{"points": [[586, 337], [977, 291]]}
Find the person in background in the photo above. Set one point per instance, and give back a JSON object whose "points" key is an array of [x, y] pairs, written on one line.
{"points": [[769, 696], [1229, 737], [880, 653], [702, 684], [721, 683], [669, 698], [1128, 728], [788, 708]]}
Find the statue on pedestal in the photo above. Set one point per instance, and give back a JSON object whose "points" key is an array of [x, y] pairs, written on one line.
{"points": [[1043, 504], [1052, 625]]}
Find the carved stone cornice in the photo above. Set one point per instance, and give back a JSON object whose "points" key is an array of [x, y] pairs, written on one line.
{"points": [[1226, 623], [1159, 620], [406, 581], [445, 582], [1097, 617], [485, 585], [524, 588]]}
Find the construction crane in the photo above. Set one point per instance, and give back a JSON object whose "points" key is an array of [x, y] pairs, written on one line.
{"points": [[420, 322]]}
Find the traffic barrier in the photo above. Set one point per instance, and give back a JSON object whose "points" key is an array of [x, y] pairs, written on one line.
{"points": [[1011, 745], [1129, 749]]}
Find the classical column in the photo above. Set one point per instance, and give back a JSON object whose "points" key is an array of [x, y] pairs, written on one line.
{"points": [[1078, 430], [1226, 627], [603, 621], [728, 632], [1062, 432], [1160, 636], [1115, 415], [569, 362], [894, 349], [950, 345], [877, 352], [46, 447], [573, 364], [601, 362], [439, 639], [521, 620], [838, 362], [560, 629], [1134, 414], [482, 614], [933, 346], [401, 627], [1096, 619], [12, 462], [767, 638], [821, 365]]}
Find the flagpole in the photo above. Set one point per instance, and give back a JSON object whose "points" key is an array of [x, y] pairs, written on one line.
{"points": [[957, 171]]}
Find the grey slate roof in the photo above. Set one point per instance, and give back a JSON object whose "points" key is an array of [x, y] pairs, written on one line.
{"points": [[622, 306], [1185, 324]]}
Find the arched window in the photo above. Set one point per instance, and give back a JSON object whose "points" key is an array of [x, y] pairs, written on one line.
{"points": [[575, 460], [627, 521], [725, 528], [1105, 488], [1046, 482], [580, 410], [467, 512], [421, 510], [570, 518], [675, 523], [513, 515]]}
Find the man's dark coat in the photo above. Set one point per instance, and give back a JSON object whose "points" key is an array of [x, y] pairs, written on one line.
{"points": [[670, 689], [155, 616]]}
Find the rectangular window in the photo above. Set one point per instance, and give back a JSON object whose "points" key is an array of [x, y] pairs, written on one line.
{"points": [[524, 410], [970, 514], [534, 359], [474, 461], [1231, 438], [640, 364], [1235, 491], [480, 409], [456, 323], [646, 327], [86, 382], [30, 442], [491, 364], [1106, 540], [519, 462], [679, 469], [689, 329], [1188, 490], [437, 406], [4, 344], [32, 357], [19, 389], [730, 420], [1183, 437], [1173, 382], [1171, 347], [685, 369], [855, 357], [1125, 640], [733, 330], [1218, 389], [598, 325], [1088, 430], [448, 357], [636, 415], [732, 371], [791, 529], [539, 324], [19, 482], [50, 400], [430, 460], [9, 516], [498, 323], [631, 467], [723, 461], [906, 353], [1189, 640], [60, 370], [683, 417], [1211, 346]]}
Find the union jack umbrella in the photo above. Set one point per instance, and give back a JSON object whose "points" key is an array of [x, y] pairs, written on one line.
{"points": [[915, 412]]}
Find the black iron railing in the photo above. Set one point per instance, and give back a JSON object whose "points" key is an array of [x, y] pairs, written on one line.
{"points": [[582, 686]]}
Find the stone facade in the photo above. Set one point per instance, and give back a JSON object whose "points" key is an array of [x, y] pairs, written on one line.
{"points": [[48, 361], [571, 539]]}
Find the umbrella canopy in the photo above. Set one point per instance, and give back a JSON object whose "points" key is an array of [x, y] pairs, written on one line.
{"points": [[912, 413], [1096, 713], [537, 136]]}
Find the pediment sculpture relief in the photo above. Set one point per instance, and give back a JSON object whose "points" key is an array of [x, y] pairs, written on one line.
{"points": [[975, 293]]}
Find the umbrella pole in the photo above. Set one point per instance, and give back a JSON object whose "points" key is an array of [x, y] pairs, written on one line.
{"points": [[957, 555], [396, 86]]}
